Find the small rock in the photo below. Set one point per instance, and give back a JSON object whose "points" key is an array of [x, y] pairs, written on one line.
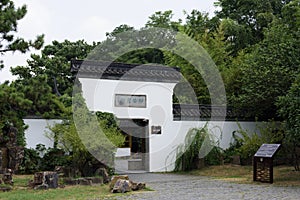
{"points": [[138, 186], [7, 177]]}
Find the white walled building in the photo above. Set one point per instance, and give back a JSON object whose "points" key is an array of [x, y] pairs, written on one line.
{"points": [[141, 99]]}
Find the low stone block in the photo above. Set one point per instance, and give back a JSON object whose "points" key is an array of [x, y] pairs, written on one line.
{"points": [[84, 181], [138, 186]]}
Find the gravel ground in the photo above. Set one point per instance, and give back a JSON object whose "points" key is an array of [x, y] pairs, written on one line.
{"points": [[185, 187]]}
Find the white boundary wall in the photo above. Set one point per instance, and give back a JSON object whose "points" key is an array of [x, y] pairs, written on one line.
{"points": [[36, 132], [100, 96], [163, 147]]}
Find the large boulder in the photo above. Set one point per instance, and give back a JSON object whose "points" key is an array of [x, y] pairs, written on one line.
{"points": [[122, 186], [114, 179], [45, 180]]}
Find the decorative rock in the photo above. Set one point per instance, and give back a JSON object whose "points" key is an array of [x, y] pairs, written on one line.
{"points": [[51, 179], [7, 177], [97, 180], [115, 179], [38, 178], [45, 180], [83, 181], [122, 186], [138, 186]]}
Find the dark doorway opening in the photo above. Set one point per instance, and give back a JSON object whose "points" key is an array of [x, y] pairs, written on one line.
{"points": [[137, 139]]}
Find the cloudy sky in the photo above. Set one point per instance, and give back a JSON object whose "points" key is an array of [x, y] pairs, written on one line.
{"points": [[89, 20]]}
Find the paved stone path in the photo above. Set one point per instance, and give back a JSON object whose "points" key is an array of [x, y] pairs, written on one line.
{"points": [[184, 187]]}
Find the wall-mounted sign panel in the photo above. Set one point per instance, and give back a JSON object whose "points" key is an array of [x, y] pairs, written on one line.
{"points": [[125, 100], [155, 129]]}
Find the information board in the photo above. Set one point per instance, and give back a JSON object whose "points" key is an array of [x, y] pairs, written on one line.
{"points": [[267, 150]]}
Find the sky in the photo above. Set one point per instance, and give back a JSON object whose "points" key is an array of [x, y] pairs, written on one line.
{"points": [[88, 20]]}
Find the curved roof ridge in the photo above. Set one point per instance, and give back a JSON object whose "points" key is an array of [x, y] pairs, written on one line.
{"points": [[123, 71]]}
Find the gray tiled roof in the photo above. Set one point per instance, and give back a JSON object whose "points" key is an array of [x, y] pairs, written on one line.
{"points": [[191, 112], [128, 72]]}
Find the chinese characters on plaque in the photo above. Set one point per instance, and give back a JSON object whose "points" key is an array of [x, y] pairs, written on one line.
{"points": [[125, 100]]}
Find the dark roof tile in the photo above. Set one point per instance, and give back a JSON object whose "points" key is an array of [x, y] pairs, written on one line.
{"points": [[128, 72]]}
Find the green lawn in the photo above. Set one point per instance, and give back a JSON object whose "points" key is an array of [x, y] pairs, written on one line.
{"points": [[283, 175], [21, 191]]}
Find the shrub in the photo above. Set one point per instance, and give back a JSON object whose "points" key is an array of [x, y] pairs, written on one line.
{"points": [[198, 143], [42, 159], [247, 143], [31, 162]]}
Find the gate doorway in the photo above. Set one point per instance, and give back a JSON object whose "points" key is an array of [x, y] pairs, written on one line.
{"points": [[135, 152]]}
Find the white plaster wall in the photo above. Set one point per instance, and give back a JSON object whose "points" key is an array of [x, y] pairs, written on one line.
{"points": [[35, 134], [163, 147], [99, 96]]}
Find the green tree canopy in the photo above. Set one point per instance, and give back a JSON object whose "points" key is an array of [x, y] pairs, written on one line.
{"points": [[270, 69], [13, 103], [9, 17], [53, 65], [289, 109], [246, 20], [13, 106]]}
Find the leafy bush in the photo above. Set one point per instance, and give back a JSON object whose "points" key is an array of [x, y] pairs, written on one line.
{"points": [[289, 109], [31, 162], [214, 157], [198, 142], [246, 143], [54, 157], [42, 159], [93, 135]]}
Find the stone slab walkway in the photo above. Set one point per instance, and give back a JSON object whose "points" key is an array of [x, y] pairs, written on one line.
{"points": [[185, 187]]}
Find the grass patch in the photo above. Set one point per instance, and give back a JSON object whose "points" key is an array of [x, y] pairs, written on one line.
{"points": [[21, 191], [283, 175]]}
